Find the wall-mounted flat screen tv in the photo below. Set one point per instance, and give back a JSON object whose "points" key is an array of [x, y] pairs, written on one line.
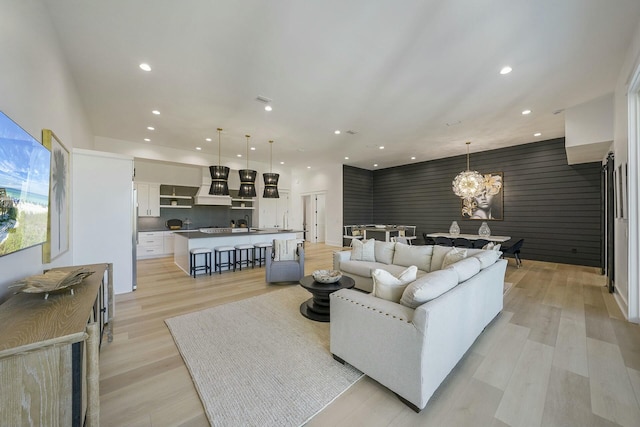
{"points": [[24, 188]]}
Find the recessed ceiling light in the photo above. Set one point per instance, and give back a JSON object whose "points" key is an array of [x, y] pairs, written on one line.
{"points": [[253, 148], [375, 165], [537, 134], [147, 139], [208, 139], [337, 131], [381, 147], [198, 148], [238, 155], [156, 112], [506, 70], [308, 167], [282, 163], [151, 128], [525, 112], [145, 67], [267, 108], [346, 158], [413, 157]]}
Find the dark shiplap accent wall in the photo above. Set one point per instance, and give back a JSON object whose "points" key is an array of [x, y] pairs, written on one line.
{"points": [[358, 205], [555, 207]]}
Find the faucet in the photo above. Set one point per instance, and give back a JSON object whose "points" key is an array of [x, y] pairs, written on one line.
{"points": [[247, 219]]}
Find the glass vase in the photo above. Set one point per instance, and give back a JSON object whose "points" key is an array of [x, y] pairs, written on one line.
{"points": [[484, 230], [454, 230]]}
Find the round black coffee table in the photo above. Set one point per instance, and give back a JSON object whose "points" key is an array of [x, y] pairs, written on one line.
{"points": [[317, 307]]}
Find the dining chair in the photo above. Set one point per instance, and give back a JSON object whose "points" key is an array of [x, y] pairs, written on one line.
{"points": [[480, 243], [410, 232], [515, 251], [428, 240], [461, 242], [444, 241]]}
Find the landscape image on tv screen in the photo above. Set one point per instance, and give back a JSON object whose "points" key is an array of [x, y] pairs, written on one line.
{"points": [[24, 188]]}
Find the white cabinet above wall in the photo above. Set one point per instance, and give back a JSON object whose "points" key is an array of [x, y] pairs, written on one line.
{"points": [[148, 199]]}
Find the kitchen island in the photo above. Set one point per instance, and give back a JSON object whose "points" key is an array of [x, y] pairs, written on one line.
{"points": [[187, 240]]}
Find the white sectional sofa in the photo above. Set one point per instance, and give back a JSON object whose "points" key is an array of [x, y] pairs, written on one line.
{"points": [[411, 346], [392, 257]]}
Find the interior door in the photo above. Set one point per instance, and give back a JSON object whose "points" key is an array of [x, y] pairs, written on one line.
{"points": [[320, 218], [309, 230]]}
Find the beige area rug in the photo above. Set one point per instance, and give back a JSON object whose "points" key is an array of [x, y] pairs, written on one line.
{"points": [[259, 362], [507, 288]]}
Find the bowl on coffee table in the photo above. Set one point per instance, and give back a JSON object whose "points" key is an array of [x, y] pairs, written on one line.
{"points": [[326, 276]]}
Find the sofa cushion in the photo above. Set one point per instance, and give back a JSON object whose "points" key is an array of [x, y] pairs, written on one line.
{"points": [[487, 258], [453, 256], [428, 287], [389, 287], [360, 268], [363, 251], [438, 256], [419, 256], [466, 268], [384, 251]]}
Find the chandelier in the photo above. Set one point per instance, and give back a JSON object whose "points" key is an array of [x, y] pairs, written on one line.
{"points": [[468, 184], [219, 176], [247, 178], [270, 179]]}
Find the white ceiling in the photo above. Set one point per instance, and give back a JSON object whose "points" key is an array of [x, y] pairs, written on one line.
{"points": [[418, 77]]}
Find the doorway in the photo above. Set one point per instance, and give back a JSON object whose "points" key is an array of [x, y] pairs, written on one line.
{"points": [[315, 217]]}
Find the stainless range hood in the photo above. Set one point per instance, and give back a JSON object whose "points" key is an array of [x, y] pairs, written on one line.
{"points": [[203, 197]]}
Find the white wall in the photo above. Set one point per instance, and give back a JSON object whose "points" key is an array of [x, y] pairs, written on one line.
{"points": [[621, 144], [588, 130], [37, 92], [319, 179]]}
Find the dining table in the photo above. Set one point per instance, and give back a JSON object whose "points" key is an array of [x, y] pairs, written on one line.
{"points": [[491, 238]]}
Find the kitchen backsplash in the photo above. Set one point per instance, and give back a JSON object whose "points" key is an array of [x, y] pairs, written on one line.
{"points": [[200, 216]]}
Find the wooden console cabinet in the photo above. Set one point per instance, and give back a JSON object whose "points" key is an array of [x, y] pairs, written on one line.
{"points": [[49, 374]]}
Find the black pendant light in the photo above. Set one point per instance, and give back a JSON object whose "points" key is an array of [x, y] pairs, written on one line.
{"points": [[270, 179], [247, 178], [219, 176]]}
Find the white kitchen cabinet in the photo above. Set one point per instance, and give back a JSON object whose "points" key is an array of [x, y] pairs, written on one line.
{"points": [[150, 244], [168, 242], [148, 199]]}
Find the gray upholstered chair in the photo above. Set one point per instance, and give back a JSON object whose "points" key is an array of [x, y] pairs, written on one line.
{"points": [[291, 270]]}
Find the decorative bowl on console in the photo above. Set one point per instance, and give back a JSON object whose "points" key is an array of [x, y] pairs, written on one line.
{"points": [[326, 276]]}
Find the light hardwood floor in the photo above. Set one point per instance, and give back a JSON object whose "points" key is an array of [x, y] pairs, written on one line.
{"points": [[560, 354]]}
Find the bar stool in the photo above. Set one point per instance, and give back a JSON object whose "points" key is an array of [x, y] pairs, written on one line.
{"points": [[217, 258], [193, 267], [261, 254], [241, 249]]}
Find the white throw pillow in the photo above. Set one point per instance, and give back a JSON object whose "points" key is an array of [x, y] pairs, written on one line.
{"points": [[487, 258], [419, 256], [491, 246], [428, 287], [466, 268], [363, 251], [389, 287], [453, 256], [285, 250], [384, 251]]}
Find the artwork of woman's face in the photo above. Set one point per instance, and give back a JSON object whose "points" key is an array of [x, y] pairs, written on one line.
{"points": [[484, 200]]}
